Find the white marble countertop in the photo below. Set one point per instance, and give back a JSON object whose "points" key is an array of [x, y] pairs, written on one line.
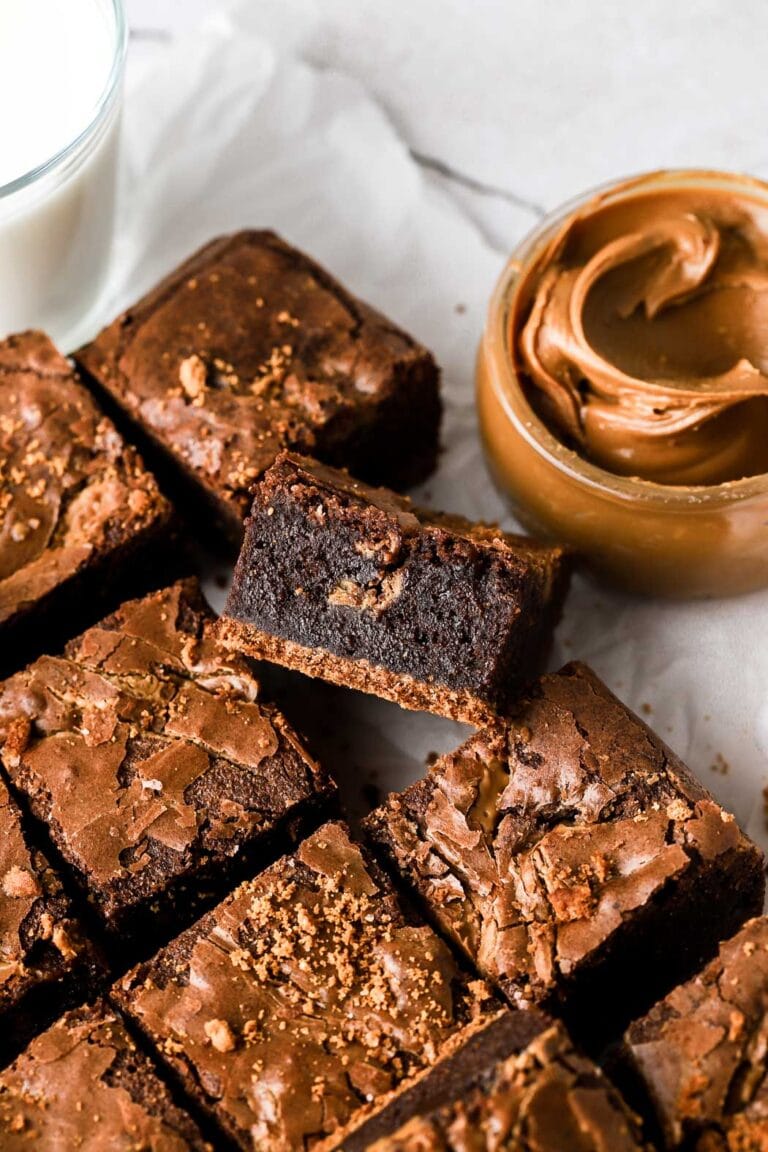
{"points": [[519, 105]]}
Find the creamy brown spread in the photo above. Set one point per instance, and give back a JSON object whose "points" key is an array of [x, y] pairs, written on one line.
{"points": [[641, 331]]}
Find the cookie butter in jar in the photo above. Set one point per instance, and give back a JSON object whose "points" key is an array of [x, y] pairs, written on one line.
{"points": [[623, 382]]}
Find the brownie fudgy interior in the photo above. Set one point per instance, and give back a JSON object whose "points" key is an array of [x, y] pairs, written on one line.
{"points": [[356, 585], [158, 772], [302, 1002], [251, 347], [77, 507], [572, 856], [698, 1059]]}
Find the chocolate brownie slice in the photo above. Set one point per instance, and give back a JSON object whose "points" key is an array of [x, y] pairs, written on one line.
{"points": [[45, 959], [700, 1056], [78, 510], [518, 1085], [159, 773], [84, 1085], [305, 1000], [251, 347], [572, 856], [357, 586]]}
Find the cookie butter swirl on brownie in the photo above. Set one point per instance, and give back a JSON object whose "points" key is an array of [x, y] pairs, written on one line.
{"points": [[146, 750], [559, 849], [640, 332], [251, 347], [298, 1006], [74, 498]]}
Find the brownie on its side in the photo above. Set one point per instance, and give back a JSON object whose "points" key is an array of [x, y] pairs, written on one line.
{"points": [[84, 1085], [700, 1056], [146, 752], [78, 511], [572, 856], [518, 1085], [305, 1000], [251, 347], [44, 957], [356, 586]]}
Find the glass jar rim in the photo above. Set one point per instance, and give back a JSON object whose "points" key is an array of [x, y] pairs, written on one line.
{"points": [[532, 428], [101, 109]]}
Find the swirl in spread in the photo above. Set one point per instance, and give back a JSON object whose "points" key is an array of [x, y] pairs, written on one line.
{"points": [[641, 332]]}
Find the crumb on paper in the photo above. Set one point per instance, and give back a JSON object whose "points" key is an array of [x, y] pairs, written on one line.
{"points": [[646, 708], [720, 765]]}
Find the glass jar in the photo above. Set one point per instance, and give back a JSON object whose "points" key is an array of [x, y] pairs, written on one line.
{"points": [[57, 219], [653, 538]]}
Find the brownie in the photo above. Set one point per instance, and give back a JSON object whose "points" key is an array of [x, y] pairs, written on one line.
{"points": [[45, 958], [357, 586], [572, 856], [305, 1000], [159, 773], [250, 347], [78, 511], [83, 1084], [518, 1085], [700, 1056]]}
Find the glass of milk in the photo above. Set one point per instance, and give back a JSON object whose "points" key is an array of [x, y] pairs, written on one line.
{"points": [[61, 72]]}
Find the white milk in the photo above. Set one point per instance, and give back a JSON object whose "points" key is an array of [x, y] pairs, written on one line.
{"points": [[57, 60]]}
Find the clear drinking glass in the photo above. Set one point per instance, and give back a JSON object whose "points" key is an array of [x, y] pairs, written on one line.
{"points": [[57, 220]]}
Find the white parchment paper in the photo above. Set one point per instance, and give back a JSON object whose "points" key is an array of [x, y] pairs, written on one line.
{"points": [[233, 129]]}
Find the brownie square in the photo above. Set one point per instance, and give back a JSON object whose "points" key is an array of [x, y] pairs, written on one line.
{"points": [[45, 959], [519, 1084], [357, 586], [83, 1084], [572, 856], [78, 510], [159, 773], [305, 1000], [699, 1056], [250, 347]]}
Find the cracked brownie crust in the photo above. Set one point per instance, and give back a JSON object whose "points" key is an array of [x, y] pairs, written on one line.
{"points": [[700, 1054], [75, 501], [296, 1008], [147, 753], [527, 1094], [357, 586], [571, 855], [83, 1084], [251, 347]]}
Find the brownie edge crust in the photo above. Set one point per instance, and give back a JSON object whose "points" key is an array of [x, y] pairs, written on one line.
{"points": [[250, 347], [357, 586]]}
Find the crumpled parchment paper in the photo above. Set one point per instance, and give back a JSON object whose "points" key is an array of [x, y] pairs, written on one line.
{"points": [[233, 129]]}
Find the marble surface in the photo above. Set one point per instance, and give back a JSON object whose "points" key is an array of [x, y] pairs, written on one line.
{"points": [[526, 103], [452, 126]]}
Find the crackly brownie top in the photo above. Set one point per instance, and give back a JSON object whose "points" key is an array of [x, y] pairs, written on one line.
{"points": [[249, 347], [547, 1098], [83, 1085], [69, 486], [146, 742], [537, 838], [304, 996], [38, 938], [702, 1050]]}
